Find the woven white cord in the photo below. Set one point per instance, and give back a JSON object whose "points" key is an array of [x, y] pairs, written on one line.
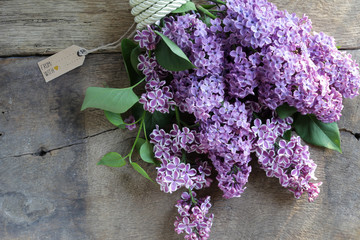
{"points": [[151, 10], [147, 12]]}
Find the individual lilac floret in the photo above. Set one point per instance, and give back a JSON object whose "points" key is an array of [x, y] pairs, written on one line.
{"points": [[194, 220], [157, 97], [148, 66], [130, 123], [146, 38]]}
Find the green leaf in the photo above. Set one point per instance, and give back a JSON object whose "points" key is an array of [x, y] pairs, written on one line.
{"points": [[140, 170], [110, 99], [146, 152], [112, 159], [285, 111], [287, 135], [189, 6], [115, 119], [157, 118], [134, 59], [151, 120], [207, 20], [137, 110], [170, 56], [208, 6], [139, 143], [316, 132], [127, 46]]}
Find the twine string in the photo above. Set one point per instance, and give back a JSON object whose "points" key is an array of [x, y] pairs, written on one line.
{"points": [[113, 45], [146, 12]]}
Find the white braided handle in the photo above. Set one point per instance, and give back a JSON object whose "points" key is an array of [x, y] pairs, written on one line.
{"points": [[147, 12]]}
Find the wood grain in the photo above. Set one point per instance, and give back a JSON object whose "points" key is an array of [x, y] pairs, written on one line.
{"points": [[38, 27], [62, 194], [50, 186], [43, 27]]}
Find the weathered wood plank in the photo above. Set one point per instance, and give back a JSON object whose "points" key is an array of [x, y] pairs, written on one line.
{"points": [[36, 115], [350, 120], [44, 27], [36, 27], [64, 195]]}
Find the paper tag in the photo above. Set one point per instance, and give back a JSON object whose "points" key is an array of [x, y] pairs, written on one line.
{"points": [[61, 63]]}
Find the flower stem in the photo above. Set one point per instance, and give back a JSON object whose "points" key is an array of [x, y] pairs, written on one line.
{"points": [[137, 83], [144, 127], [192, 197], [218, 2], [137, 136], [205, 11], [129, 124]]}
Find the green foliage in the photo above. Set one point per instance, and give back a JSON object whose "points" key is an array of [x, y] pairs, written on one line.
{"points": [[146, 152], [151, 120], [137, 110], [139, 143], [157, 118], [287, 135], [205, 12], [140, 170], [208, 6], [170, 56], [316, 132], [285, 111], [189, 6], [135, 61], [112, 159], [115, 119], [127, 47], [110, 99]]}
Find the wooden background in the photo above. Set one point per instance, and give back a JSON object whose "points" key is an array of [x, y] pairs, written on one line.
{"points": [[50, 186]]}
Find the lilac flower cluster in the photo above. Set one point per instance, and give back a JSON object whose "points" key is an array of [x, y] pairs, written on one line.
{"points": [[227, 139], [173, 174], [297, 67], [193, 219], [249, 61], [288, 161]]}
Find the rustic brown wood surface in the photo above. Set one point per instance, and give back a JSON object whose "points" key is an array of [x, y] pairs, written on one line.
{"points": [[42, 27], [50, 186]]}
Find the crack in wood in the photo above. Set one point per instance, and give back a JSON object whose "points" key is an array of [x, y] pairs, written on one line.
{"points": [[356, 135], [42, 151]]}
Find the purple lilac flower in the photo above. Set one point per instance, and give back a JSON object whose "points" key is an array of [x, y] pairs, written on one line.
{"points": [[227, 139], [174, 173], [194, 219], [146, 38], [130, 120], [157, 97], [250, 60], [289, 161], [304, 70]]}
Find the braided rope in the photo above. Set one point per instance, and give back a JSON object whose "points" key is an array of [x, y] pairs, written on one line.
{"points": [[147, 12]]}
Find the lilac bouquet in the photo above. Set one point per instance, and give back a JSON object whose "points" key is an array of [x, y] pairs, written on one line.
{"points": [[225, 84]]}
